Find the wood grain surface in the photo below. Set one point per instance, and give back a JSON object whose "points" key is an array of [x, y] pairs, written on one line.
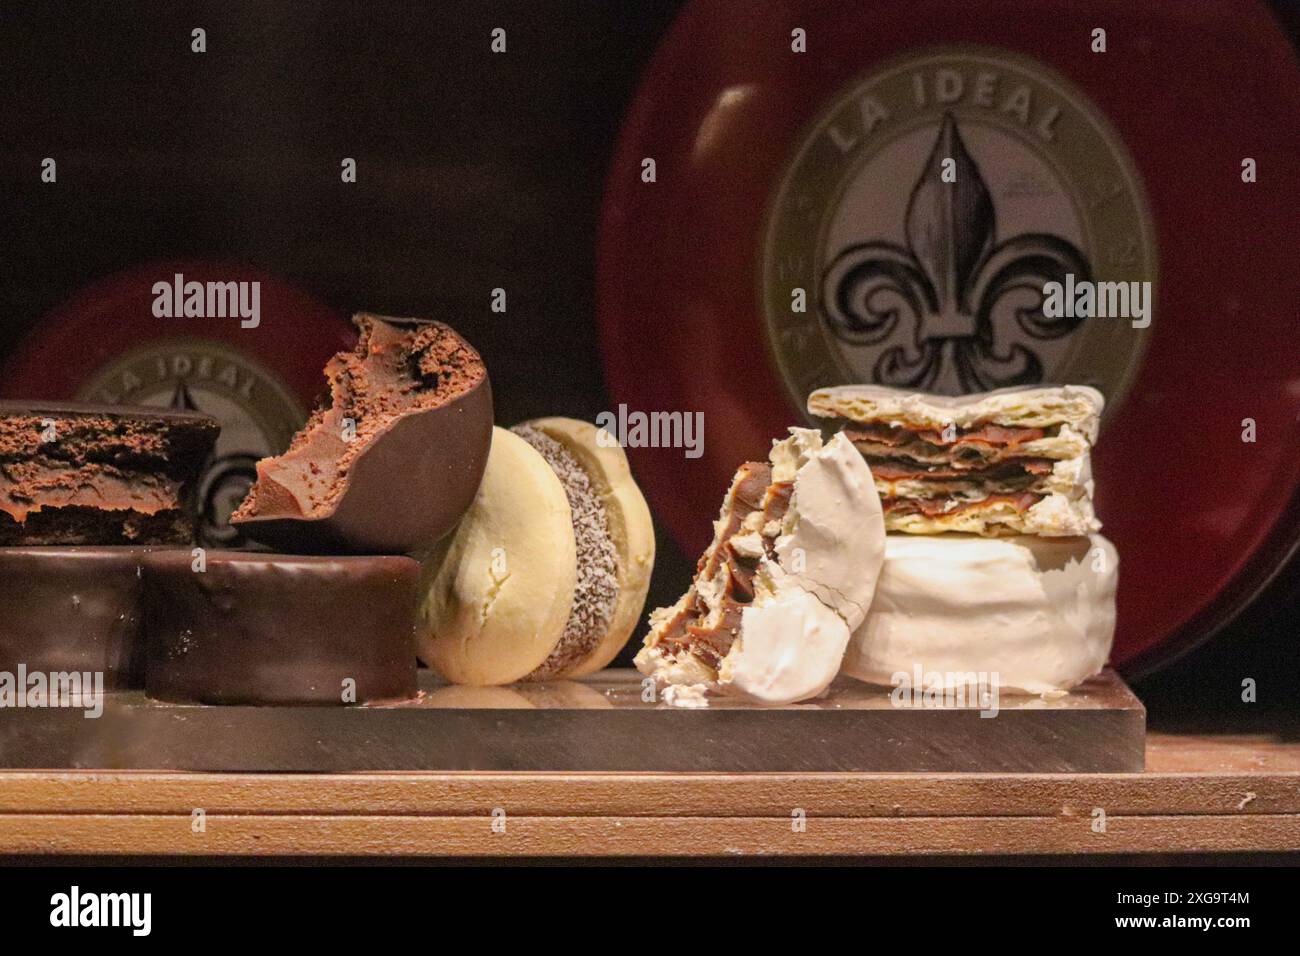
{"points": [[1200, 794], [643, 836]]}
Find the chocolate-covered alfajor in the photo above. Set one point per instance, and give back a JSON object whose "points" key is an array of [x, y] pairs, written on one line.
{"points": [[409, 422], [74, 473], [546, 576], [237, 627], [65, 609]]}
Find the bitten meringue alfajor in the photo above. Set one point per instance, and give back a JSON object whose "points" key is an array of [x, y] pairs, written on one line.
{"points": [[1011, 461], [1037, 612], [790, 574]]}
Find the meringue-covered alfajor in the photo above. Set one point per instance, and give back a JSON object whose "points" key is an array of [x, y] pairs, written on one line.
{"points": [[1011, 461], [1039, 613], [789, 575]]}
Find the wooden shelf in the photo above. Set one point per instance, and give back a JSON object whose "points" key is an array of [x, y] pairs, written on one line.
{"points": [[1200, 794]]}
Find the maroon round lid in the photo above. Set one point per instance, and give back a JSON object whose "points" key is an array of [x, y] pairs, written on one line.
{"points": [[253, 360], [773, 246]]}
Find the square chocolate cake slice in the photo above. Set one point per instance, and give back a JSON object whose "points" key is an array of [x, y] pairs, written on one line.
{"points": [[76, 474]]}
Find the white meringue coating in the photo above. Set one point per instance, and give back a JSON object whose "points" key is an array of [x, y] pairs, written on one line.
{"points": [[828, 552], [1040, 612]]}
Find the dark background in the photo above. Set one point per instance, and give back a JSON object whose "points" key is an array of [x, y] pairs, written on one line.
{"points": [[474, 171]]}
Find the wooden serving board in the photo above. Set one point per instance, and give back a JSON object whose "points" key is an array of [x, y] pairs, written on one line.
{"points": [[1234, 790], [1201, 794], [602, 724]]}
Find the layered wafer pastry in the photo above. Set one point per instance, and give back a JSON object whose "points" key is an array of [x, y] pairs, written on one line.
{"points": [[1011, 461], [789, 575]]}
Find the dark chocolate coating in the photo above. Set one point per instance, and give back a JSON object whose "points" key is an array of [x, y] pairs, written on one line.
{"points": [[72, 609], [405, 492], [279, 629]]}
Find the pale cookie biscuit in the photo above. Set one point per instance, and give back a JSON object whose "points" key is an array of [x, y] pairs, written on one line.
{"points": [[499, 593], [547, 575]]}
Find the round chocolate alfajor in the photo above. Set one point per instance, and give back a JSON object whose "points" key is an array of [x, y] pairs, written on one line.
{"points": [[235, 627], [72, 609]]}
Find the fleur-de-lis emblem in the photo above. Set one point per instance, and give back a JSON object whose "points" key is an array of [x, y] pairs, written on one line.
{"points": [[954, 309]]}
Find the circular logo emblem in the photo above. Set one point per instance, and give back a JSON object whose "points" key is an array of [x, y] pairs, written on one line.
{"points": [[258, 415], [924, 213]]}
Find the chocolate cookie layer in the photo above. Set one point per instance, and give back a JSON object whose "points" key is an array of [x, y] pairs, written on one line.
{"points": [[73, 609], [391, 465], [74, 473], [278, 629], [596, 592]]}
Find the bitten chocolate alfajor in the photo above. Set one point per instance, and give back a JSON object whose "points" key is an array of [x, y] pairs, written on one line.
{"points": [[410, 420]]}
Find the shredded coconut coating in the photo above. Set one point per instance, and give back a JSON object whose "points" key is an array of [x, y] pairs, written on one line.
{"points": [[596, 592]]}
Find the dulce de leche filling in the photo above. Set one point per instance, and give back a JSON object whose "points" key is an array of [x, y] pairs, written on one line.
{"points": [[955, 469], [754, 507]]}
